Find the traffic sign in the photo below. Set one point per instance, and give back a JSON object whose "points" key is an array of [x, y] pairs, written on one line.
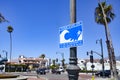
{"points": [[92, 66], [71, 35]]}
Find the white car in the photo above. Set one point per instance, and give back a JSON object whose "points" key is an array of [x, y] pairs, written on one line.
{"points": [[61, 69]]}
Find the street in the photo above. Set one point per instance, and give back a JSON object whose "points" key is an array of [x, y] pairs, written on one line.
{"points": [[64, 76], [50, 76]]}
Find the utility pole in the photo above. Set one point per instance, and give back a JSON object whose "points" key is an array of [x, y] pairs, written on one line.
{"points": [[102, 55], [73, 69]]}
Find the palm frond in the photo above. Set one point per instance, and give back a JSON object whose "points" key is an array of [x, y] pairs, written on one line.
{"points": [[2, 19], [112, 15], [108, 10], [9, 29]]}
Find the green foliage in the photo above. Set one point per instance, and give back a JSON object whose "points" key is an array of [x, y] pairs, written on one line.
{"points": [[53, 61], [54, 67], [42, 56], [108, 10], [2, 19], [9, 29], [87, 71]]}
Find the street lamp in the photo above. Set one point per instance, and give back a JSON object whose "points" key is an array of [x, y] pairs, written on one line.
{"points": [[62, 54], [100, 41]]}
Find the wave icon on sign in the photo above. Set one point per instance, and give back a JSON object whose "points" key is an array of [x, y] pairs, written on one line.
{"points": [[62, 38], [71, 35]]}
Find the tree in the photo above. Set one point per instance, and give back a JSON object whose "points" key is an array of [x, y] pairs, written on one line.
{"points": [[42, 56], [63, 62], [104, 15], [99, 16], [2, 19], [10, 30]]}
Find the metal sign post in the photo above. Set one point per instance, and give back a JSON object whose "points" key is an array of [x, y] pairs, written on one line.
{"points": [[71, 36], [73, 69]]}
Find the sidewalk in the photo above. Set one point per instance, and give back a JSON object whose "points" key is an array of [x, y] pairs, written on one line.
{"points": [[89, 75], [84, 76]]}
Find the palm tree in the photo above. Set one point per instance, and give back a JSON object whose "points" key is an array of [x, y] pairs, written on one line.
{"points": [[10, 30], [42, 56], [2, 19], [99, 16], [104, 15], [43, 61]]}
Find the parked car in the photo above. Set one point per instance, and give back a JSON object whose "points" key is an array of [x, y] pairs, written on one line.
{"points": [[41, 71], [56, 71], [47, 70], [107, 73]]}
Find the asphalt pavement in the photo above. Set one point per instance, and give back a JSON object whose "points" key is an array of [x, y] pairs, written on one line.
{"points": [[50, 76], [64, 76]]}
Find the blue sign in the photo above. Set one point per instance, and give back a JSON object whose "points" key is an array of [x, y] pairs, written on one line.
{"points": [[71, 35]]}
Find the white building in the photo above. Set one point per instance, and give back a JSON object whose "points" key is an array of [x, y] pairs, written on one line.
{"points": [[86, 64], [82, 64]]}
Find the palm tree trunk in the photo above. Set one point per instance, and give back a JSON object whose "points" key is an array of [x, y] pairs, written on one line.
{"points": [[114, 63], [109, 54], [108, 47]]}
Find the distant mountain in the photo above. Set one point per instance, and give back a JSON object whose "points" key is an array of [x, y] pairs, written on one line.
{"points": [[118, 58]]}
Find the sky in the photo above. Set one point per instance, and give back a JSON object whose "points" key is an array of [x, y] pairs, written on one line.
{"points": [[36, 26]]}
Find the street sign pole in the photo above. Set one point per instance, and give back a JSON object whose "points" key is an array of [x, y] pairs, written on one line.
{"points": [[73, 69], [92, 65]]}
